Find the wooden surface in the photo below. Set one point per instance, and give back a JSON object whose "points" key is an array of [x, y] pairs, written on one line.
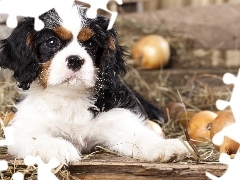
{"points": [[133, 1], [213, 26], [109, 166], [112, 167]]}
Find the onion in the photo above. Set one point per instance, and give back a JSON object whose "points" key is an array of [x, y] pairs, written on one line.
{"points": [[224, 119], [199, 126], [177, 112], [173, 109], [151, 52], [184, 117]]}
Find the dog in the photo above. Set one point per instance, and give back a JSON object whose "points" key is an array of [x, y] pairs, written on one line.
{"points": [[69, 74]]}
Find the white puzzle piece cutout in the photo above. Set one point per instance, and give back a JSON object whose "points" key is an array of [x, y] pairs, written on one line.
{"points": [[101, 4], [232, 173], [232, 131], [3, 165], [44, 170], [34, 8], [9, 140], [31, 8], [18, 176], [8, 133]]}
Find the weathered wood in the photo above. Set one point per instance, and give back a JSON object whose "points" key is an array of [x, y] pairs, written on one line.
{"points": [[209, 25], [139, 4], [109, 166], [133, 1], [143, 170]]}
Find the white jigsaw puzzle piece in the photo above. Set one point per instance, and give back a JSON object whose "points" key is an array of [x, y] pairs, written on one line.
{"points": [[31, 8], [18, 176], [231, 131], [232, 172], [44, 170], [101, 4], [27, 8], [15, 176], [8, 132], [9, 140], [3, 165]]}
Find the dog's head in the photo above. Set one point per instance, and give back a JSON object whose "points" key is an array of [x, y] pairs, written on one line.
{"points": [[70, 50]]}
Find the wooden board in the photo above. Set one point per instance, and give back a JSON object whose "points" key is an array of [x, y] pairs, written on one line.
{"points": [[121, 168], [213, 26], [109, 166]]}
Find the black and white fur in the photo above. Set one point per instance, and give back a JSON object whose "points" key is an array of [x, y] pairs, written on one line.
{"points": [[74, 97]]}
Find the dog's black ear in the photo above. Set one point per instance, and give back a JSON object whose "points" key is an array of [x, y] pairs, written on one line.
{"points": [[17, 54], [112, 92], [112, 65]]}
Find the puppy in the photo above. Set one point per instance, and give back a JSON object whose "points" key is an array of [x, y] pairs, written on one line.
{"points": [[74, 97]]}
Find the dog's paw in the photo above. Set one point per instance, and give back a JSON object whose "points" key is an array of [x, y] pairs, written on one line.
{"points": [[171, 150], [61, 149]]}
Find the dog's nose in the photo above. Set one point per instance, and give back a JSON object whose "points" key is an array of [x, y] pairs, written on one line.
{"points": [[75, 62]]}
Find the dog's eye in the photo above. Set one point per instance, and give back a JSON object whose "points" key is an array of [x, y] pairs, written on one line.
{"points": [[53, 43], [91, 45]]}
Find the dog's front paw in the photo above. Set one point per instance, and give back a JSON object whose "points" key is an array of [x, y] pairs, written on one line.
{"points": [[61, 149], [170, 150]]}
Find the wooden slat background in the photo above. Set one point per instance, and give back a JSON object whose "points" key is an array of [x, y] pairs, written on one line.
{"points": [[163, 4]]}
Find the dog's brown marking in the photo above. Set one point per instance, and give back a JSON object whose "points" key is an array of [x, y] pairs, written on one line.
{"points": [[85, 34], [63, 33], [111, 44], [29, 39], [44, 73]]}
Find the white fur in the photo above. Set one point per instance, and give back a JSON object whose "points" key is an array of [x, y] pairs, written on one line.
{"points": [[72, 20], [60, 125]]}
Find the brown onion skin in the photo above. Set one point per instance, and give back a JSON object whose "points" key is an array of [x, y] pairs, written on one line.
{"points": [[199, 126]]}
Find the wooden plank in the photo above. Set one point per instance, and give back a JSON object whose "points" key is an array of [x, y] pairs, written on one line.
{"points": [[133, 1], [109, 166], [139, 4], [143, 170], [210, 26]]}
